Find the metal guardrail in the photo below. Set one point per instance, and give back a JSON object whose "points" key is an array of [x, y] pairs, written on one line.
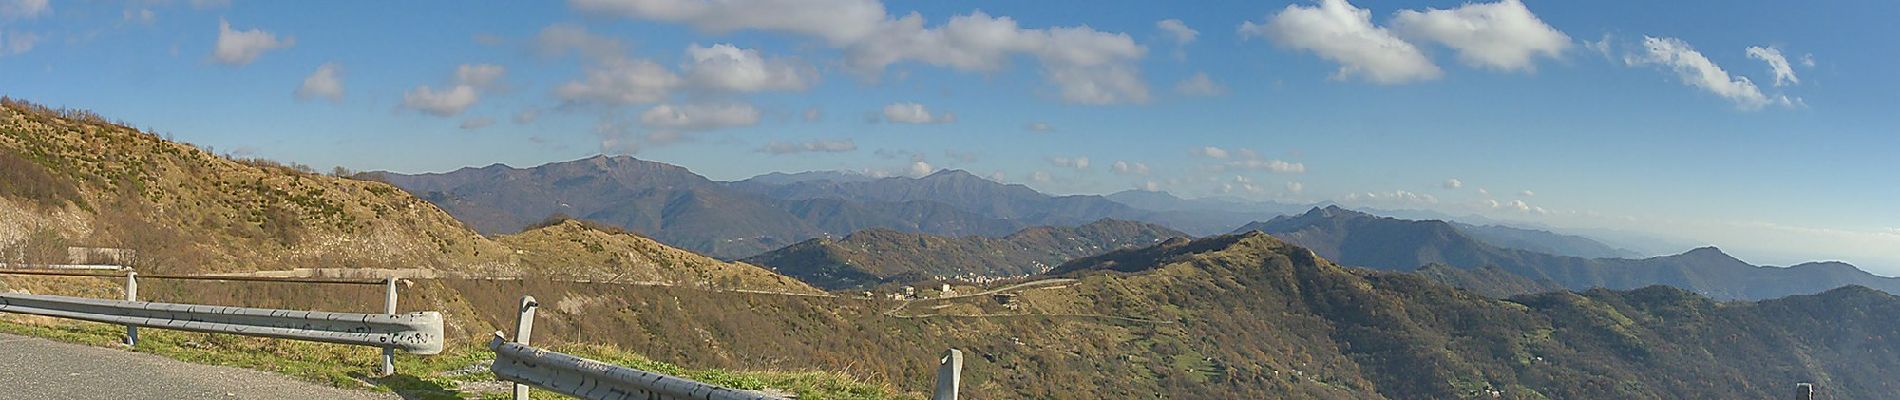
{"points": [[415, 333], [593, 380]]}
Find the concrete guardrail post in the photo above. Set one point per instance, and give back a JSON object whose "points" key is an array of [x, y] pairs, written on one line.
{"points": [[389, 307], [949, 375], [524, 328], [131, 294]]}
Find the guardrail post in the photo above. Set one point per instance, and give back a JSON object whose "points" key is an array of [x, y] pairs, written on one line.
{"points": [[131, 294], [949, 375], [389, 307], [524, 327]]}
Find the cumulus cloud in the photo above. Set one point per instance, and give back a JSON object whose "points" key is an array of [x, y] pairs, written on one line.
{"points": [[1039, 127], [1177, 31], [813, 146], [728, 68], [325, 83], [1513, 205], [24, 9], [1078, 163], [913, 113], [1087, 66], [1211, 152], [1504, 35], [1295, 187], [1336, 30], [1527, 193], [621, 82], [1454, 183], [477, 123], [443, 103], [470, 79], [1784, 73], [1399, 197], [1129, 168], [236, 47], [1697, 71], [919, 169], [699, 117], [1199, 85], [1274, 166], [1040, 177]]}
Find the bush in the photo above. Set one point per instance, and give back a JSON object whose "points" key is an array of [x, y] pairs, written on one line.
{"points": [[23, 179]]}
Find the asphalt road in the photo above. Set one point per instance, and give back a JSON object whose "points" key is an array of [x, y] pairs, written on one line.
{"points": [[34, 368]]}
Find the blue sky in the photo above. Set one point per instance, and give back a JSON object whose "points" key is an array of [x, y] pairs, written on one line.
{"points": [[1668, 118]]}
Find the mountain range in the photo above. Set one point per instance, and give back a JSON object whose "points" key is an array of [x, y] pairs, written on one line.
{"points": [[1360, 239], [871, 257]]}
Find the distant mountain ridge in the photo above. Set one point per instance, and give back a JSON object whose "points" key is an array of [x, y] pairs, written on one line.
{"points": [[871, 257], [1360, 239]]}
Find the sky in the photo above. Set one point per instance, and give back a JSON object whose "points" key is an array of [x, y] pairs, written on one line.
{"points": [[1765, 128]]}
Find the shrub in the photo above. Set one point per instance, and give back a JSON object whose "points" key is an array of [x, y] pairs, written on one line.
{"points": [[24, 179]]}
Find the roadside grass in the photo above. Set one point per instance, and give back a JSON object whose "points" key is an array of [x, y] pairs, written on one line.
{"points": [[460, 372]]}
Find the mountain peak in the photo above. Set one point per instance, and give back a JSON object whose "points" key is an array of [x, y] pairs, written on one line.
{"points": [[951, 174]]}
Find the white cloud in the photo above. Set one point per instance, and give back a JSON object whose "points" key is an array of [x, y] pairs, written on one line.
{"points": [[913, 113], [1337, 31], [24, 9], [1454, 183], [470, 80], [835, 21], [1178, 31], [1295, 187], [1040, 177], [1527, 193], [1078, 163], [1087, 66], [814, 146], [1807, 60], [1504, 35], [919, 169], [621, 82], [1513, 205], [559, 39], [325, 83], [813, 114], [699, 117], [441, 103], [1212, 152], [479, 75], [1039, 127], [1484, 191], [1784, 73], [1397, 197], [1128, 168], [13, 43], [1601, 46], [477, 123], [1274, 166], [242, 47], [1199, 85], [1697, 71], [728, 68]]}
